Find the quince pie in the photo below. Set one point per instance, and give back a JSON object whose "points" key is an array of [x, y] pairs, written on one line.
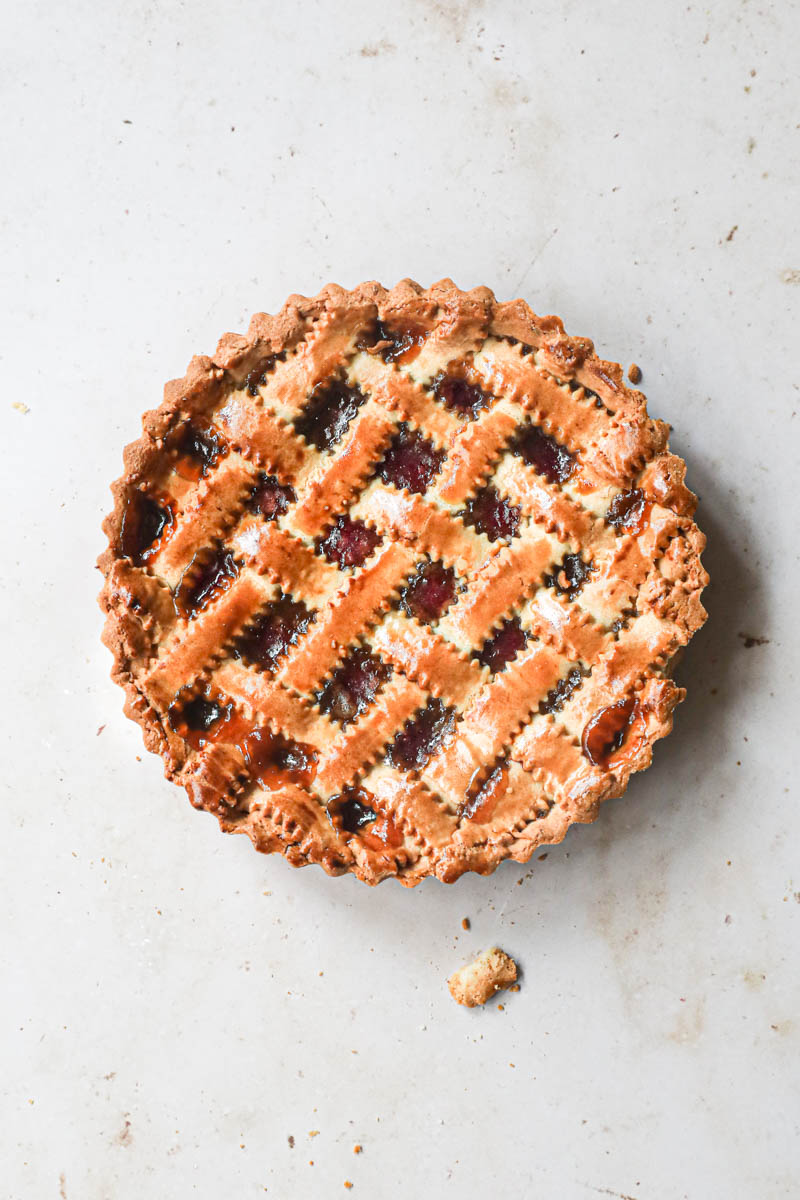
{"points": [[394, 582]]}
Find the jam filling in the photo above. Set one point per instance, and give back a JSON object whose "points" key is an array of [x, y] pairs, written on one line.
{"points": [[560, 694], [430, 592], [415, 744], [411, 461], [460, 395], [353, 687], [491, 513], [352, 809], [482, 800], [607, 730], [194, 451], [275, 760], [270, 498], [570, 576], [257, 378], [200, 586], [542, 452], [503, 646], [628, 511], [394, 344], [266, 641], [328, 412], [144, 524], [199, 719], [348, 543]]}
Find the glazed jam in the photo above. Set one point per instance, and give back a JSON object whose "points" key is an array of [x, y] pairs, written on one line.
{"points": [[628, 511], [411, 461], [570, 576], [348, 543], [607, 730], [352, 810], [460, 395], [194, 451], [491, 513], [560, 694], [258, 378], [542, 452], [199, 719], [415, 744], [275, 760], [270, 498], [503, 646], [145, 525], [328, 412], [429, 592], [353, 687], [200, 585], [482, 800], [268, 639], [395, 344]]}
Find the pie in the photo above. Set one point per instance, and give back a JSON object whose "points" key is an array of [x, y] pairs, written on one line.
{"points": [[395, 581]]}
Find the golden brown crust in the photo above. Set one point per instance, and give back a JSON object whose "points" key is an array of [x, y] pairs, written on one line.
{"points": [[516, 775]]}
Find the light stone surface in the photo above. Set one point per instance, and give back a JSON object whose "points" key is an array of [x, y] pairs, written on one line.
{"points": [[175, 1008]]}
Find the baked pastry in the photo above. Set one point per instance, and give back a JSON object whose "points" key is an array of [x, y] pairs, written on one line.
{"points": [[492, 971], [394, 581]]}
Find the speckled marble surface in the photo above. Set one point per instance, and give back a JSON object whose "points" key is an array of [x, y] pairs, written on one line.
{"points": [[182, 1017]]}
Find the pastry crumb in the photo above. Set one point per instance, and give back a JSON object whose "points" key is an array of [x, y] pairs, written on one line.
{"points": [[465, 923], [358, 1148], [313, 1133], [478, 981], [635, 373], [347, 1183], [20, 407]]}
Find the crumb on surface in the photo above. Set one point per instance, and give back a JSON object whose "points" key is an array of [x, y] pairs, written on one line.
{"points": [[478, 981], [358, 1148], [20, 407], [465, 923], [347, 1183], [635, 373]]}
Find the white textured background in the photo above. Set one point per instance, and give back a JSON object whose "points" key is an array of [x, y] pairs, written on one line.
{"points": [[174, 1006]]}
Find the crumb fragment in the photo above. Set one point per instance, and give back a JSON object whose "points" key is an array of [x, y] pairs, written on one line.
{"points": [[347, 1183], [358, 1148], [313, 1133], [20, 407], [635, 373], [478, 981], [465, 923]]}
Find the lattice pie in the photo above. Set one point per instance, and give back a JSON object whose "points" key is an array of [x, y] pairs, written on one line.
{"points": [[395, 581]]}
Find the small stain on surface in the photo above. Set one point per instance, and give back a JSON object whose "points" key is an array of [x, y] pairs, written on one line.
{"points": [[62, 1186], [750, 641], [791, 277], [729, 236], [375, 49], [290, 1140], [124, 1137], [100, 730]]}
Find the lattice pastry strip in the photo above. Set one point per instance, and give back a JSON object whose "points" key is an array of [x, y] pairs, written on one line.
{"points": [[394, 581]]}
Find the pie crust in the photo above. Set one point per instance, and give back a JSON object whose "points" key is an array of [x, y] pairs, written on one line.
{"points": [[394, 582]]}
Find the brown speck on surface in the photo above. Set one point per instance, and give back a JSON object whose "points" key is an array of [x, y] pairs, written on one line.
{"points": [[290, 1140], [347, 1184], [635, 373], [375, 49], [358, 1148], [501, 1008], [729, 236], [749, 640], [542, 857], [20, 407], [465, 923], [124, 1137], [789, 276], [478, 981], [100, 730], [62, 1186], [728, 919]]}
